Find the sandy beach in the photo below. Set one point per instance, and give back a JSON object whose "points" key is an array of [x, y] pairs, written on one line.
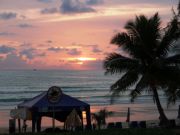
{"points": [[138, 112]]}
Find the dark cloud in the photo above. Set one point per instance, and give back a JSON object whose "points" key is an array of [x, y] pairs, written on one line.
{"points": [[74, 51], [95, 49], [41, 54], [49, 41], [49, 10], [74, 6], [45, 1], [56, 49], [6, 34], [4, 49], [7, 15], [24, 25], [22, 16], [94, 2], [31, 53], [12, 61]]}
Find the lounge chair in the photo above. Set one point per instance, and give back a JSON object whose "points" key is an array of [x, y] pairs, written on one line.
{"points": [[142, 124], [118, 125], [125, 124], [134, 124], [111, 125]]}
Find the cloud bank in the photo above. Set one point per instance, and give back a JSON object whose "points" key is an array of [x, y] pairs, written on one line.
{"points": [[4, 49], [7, 15], [74, 6], [49, 10]]}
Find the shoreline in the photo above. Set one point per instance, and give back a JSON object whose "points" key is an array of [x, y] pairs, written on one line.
{"points": [[138, 112]]}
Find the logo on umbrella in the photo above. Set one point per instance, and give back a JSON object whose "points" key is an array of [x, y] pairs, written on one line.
{"points": [[54, 94]]}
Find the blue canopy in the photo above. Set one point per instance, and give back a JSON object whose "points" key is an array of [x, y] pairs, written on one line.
{"points": [[41, 102], [40, 106]]}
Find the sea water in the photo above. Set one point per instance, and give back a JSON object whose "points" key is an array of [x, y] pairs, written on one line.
{"points": [[89, 86], [92, 87]]}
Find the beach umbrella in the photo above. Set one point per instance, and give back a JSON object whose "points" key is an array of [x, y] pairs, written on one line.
{"points": [[128, 115], [73, 120]]}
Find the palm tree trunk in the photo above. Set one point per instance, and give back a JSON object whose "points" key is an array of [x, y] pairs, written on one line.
{"points": [[163, 119]]}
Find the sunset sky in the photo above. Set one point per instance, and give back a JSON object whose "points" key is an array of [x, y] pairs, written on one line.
{"points": [[67, 34]]}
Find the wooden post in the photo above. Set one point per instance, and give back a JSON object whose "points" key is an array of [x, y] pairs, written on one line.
{"points": [[81, 116], [88, 118], [19, 125], [33, 122], [38, 125]]}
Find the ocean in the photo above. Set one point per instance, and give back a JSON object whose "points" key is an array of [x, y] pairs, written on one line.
{"points": [[89, 86], [92, 87]]}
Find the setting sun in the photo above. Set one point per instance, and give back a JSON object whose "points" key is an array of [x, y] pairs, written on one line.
{"points": [[86, 59], [80, 59]]}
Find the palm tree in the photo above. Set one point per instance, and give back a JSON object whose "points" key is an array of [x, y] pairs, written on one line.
{"points": [[149, 65], [100, 117]]}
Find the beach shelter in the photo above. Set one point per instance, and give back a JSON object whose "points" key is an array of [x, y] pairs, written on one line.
{"points": [[39, 106]]}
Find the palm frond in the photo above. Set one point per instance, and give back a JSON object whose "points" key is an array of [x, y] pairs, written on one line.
{"points": [[154, 29], [172, 93], [164, 75], [121, 39], [128, 44], [172, 33], [172, 60], [116, 63], [127, 80], [140, 86], [145, 36], [145, 30], [132, 30]]}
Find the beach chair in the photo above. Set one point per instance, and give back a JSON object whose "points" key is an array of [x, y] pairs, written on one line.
{"points": [[118, 125], [125, 125], [111, 125], [134, 124], [152, 124], [142, 124]]}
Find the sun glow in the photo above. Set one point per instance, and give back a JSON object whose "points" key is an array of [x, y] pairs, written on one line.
{"points": [[81, 60], [86, 59], [80, 63]]}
